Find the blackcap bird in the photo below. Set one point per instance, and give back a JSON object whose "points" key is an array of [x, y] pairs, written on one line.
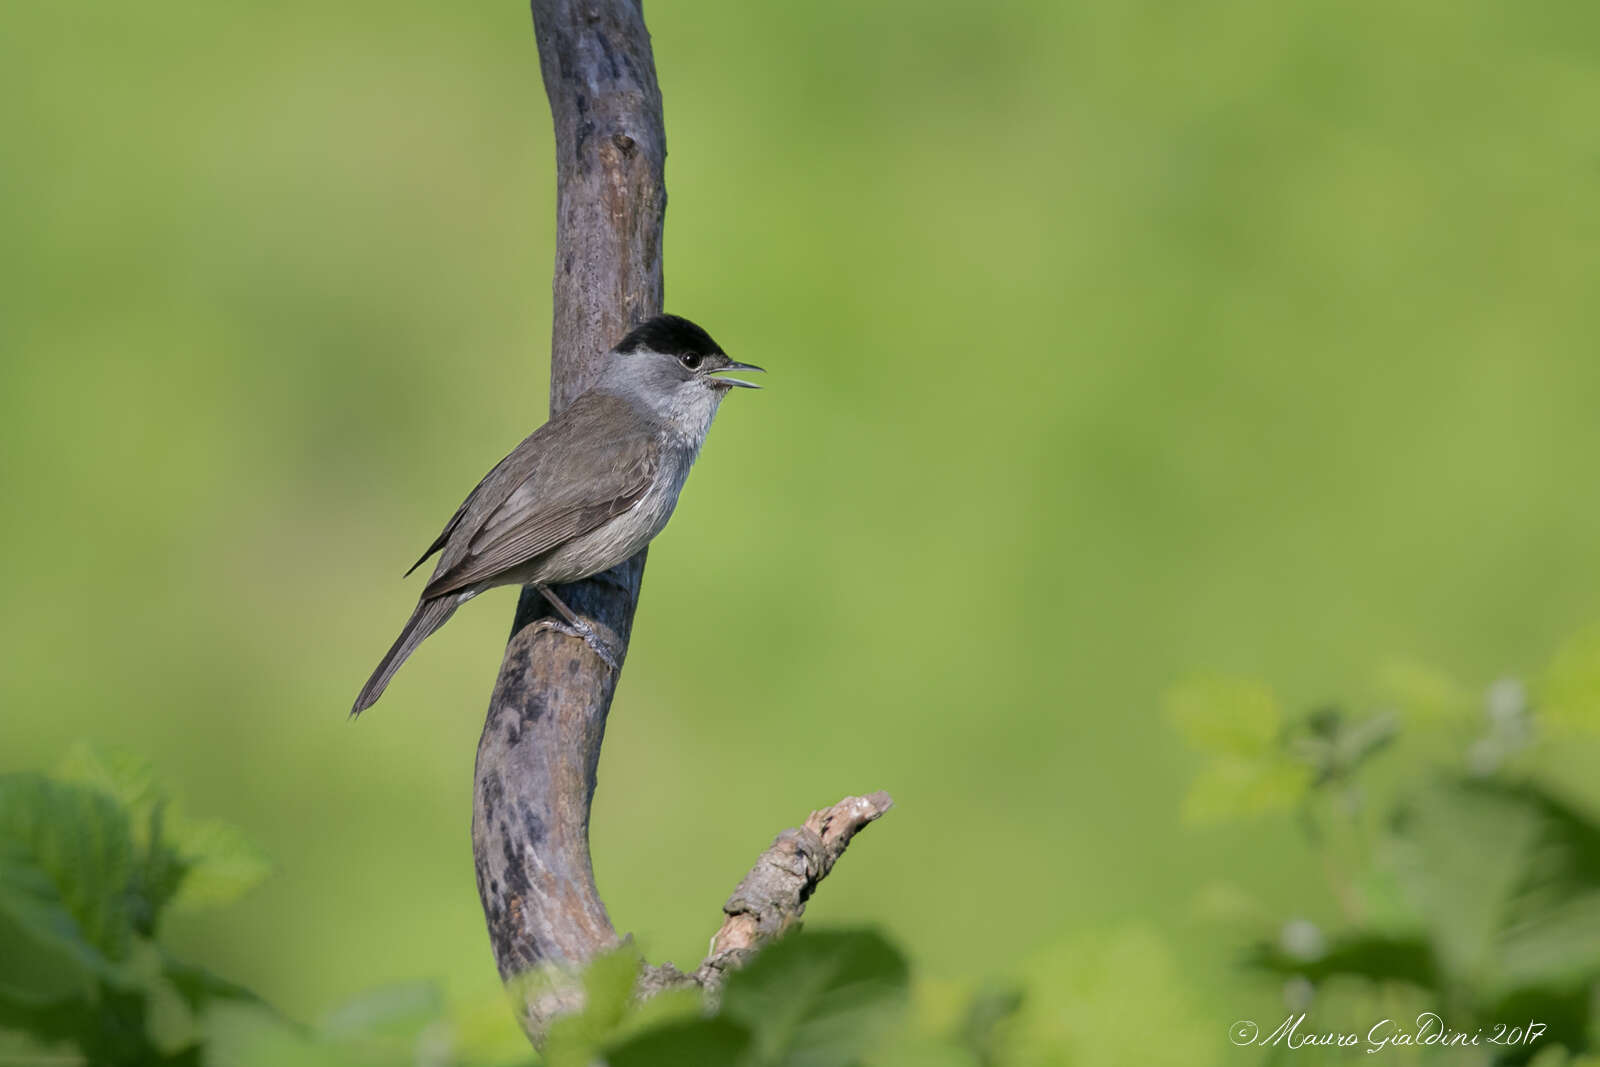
{"points": [[583, 492]]}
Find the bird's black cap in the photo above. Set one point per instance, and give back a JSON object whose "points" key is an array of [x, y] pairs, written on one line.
{"points": [[670, 335]]}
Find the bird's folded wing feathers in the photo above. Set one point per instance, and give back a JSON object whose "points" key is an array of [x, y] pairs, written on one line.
{"points": [[483, 495], [556, 486], [440, 541]]}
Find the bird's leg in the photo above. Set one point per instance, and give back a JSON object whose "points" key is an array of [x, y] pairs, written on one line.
{"points": [[577, 627]]}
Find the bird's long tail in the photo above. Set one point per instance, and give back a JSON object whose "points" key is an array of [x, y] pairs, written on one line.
{"points": [[429, 616]]}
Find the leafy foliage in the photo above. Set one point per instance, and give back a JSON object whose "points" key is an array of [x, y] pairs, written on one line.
{"points": [[88, 867], [1462, 881], [222, 864], [819, 999], [811, 1000], [607, 991], [1240, 726], [1469, 882], [1570, 687], [94, 857]]}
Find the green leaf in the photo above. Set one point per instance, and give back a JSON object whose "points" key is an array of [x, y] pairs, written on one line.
{"points": [[981, 1032], [1240, 724], [1551, 932], [608, 983], [1569, 694], [674, 1005], [170, 1024], [203, 862], [120, 1027], [1568, 1016], [700, 1042], [1384, 903], [1228, 788], [1113, 998], [44, 957], [1461, 855], [157, 877], [1559, 946], [85, 870], [1507, 881], [126, 778], [201, 989], [66, 848], [22, 1049], [818, 999], [1231, 717], [224, 864], [130, 781], [482, 1032]]}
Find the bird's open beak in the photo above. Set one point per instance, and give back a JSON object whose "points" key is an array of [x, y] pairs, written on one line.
{"points": [[729, 382]]}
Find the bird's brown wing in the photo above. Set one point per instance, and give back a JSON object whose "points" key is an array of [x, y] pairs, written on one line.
{"points": [[484, 488], [589, 464], [439, 542]]}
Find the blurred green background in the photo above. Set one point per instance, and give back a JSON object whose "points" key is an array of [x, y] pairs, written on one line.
{"points": [[1108, 342]]}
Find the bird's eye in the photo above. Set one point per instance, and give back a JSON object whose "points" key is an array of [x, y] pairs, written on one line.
{"points": [[690, 360]]}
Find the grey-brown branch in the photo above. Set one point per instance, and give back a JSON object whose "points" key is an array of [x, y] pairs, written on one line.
{"points": [[773, 896], [540, 748]]}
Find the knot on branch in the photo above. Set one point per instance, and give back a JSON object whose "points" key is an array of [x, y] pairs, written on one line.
{"points": [[772, 896]]}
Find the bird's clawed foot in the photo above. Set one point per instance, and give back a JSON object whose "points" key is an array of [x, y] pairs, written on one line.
{"points": [[584, 632], [574, 626]]}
